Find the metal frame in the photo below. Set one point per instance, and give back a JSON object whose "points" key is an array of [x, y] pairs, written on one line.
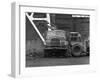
{"points": [[31, 18]]}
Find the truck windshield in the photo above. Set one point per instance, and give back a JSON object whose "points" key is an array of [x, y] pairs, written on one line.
{"points": [[77, 39]]}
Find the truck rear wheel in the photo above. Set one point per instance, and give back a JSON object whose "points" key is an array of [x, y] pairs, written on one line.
{"points": [[76, 50]]}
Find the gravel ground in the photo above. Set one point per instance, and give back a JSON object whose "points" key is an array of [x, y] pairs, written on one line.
{"points": [[38, 62]]}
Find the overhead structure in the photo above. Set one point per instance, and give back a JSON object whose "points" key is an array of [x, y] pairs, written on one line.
{"points": [[32, 19]]}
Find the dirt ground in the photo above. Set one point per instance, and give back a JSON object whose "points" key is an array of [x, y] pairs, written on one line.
{"points": [[38, 62]]}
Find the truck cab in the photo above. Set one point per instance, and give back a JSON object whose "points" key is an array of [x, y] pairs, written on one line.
{"points": [[56, 44]]}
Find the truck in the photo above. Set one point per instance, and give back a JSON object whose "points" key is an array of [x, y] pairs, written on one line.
{"points": [[56, 43], [77, 46]]}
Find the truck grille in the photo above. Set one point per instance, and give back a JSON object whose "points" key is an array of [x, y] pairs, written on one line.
{"points": [[55, 42]]}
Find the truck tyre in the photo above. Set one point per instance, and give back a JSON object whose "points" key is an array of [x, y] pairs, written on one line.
{"points": [[76, 50]]}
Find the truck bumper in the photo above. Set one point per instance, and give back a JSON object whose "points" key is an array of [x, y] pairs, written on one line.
{"points": [[57, 52]]}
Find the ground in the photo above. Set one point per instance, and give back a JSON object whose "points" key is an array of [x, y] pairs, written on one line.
{"points": [[37, 62]]}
